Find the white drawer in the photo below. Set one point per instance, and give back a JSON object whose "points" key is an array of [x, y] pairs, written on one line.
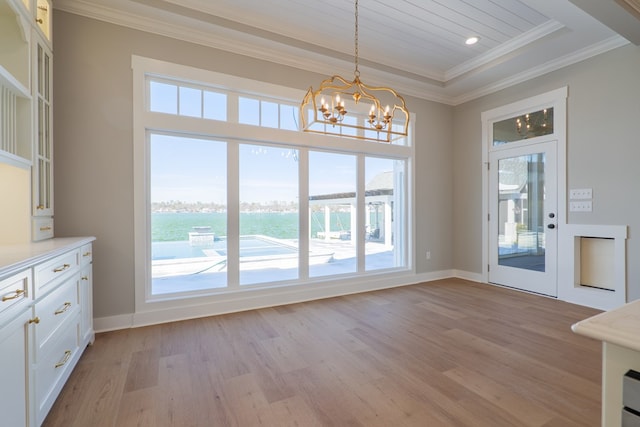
{"points": [[48, 273], [52, 366], [14, 290], [53, 310], [86, 254], [42, 228]]}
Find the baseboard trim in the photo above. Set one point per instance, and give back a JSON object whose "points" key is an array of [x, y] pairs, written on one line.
{"points": [[256, 300], [113, 323], [467, 275]]}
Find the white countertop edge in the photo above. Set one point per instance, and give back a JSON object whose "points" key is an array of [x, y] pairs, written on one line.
{"points": [[620, 326], [17, 257]]}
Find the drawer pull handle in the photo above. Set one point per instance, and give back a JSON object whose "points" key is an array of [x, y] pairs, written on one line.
{"points": [[86, 254], [45, 228], [65, 359], [84, 278], [63, 268], [35, 320], [64, 308], [16, 294]]}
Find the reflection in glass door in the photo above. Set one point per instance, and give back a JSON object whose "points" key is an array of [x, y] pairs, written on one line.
{"points": [[520, 212], [523, 218]]}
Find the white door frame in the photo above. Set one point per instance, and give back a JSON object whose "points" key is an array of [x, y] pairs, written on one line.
{"points": [[556, 99], [546, 281]]}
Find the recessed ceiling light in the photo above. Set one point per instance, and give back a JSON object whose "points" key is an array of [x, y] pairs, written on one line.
{"points": [[472, 40]]}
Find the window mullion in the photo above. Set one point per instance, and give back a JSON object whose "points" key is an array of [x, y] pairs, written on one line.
{"points": [[233, 215], [360, 211], [232, 107], [304, 213]]}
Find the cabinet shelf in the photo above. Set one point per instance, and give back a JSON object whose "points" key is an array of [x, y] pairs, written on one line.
{"points": [[8, 80], [15, 33], [15, 122]]}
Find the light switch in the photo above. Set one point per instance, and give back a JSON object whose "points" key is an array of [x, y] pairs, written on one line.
{"points": [[580, 193], [580, 206]]}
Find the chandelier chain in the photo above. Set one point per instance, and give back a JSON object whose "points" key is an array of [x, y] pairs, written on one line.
{"points": [[356, 72]]}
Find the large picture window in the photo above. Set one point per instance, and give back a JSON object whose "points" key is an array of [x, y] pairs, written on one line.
{"points": [[227, 207]]}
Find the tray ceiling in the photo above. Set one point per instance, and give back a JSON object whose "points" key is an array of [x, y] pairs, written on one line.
{"points": [[417, 46]]}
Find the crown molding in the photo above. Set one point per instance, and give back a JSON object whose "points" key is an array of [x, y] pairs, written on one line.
{"points": [[436, 88], [575, 57], [504, 49]]}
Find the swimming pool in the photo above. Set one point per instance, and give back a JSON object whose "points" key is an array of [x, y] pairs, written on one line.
{"points": [[256, 252], [249, 246]]}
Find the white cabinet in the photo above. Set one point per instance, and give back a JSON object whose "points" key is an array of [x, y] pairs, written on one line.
{"points": [[618, 331], [14, 402], [26, 103], [86, 293], [46, 321], [15, 314], [42, 16]]}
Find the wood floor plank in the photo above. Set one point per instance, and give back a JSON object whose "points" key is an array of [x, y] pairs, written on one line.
{"points": [[448, 353]]}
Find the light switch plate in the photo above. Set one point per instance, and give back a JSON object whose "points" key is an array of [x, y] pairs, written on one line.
{"points": [[580, 206], [580, 193]]}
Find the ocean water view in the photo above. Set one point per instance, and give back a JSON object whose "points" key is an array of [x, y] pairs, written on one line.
{"points": [[175, 226]]}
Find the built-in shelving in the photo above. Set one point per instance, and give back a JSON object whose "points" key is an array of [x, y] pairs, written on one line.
{"points": [[16, 112], [15, 122], [15, 33]]}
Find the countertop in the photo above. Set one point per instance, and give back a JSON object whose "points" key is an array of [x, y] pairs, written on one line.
{"points": [[620, 326], [15, 257]]}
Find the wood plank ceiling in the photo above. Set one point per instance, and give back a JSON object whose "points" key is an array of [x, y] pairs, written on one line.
{"points": [[415, 45]]}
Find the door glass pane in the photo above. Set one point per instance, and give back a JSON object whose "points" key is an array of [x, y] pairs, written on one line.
{"points": [[332, 206], [46, 77], [525, 126], [521, 195], [188, 190], [384, 180], [269, 220]]}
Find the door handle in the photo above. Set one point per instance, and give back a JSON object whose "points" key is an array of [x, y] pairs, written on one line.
{"points": [[551, 226]]}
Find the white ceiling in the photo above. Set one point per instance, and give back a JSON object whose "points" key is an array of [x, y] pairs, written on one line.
{"points": [[415, 46]]}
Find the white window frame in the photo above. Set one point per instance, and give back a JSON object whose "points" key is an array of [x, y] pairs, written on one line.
{"points": [[157, 309]]}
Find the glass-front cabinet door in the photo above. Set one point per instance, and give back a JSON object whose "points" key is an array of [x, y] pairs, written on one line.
{"points": [[43, 144]]}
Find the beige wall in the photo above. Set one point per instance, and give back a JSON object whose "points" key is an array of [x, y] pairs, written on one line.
{"points": [[94, 148], [603, 111]]}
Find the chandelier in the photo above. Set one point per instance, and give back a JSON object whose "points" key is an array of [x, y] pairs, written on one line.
{"points": [[371, 116]]}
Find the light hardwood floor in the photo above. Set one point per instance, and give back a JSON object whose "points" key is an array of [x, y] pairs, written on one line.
{"points": [[444, 353]]}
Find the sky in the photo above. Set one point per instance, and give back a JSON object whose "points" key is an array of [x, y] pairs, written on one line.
{"points": [[190, 169]]}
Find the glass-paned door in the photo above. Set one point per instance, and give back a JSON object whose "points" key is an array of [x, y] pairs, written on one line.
{"points": [[522, 215]]}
